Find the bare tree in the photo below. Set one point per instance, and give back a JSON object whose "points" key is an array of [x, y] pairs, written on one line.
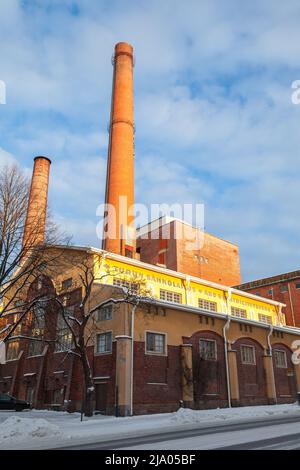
{"points": [[78, 326], [82, 327]]}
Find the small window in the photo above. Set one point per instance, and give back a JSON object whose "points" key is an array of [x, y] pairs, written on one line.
{"points": [[105, 313], [247, 354], [238, 312], [257, 293], [12, 350], [170, 296], [128, 251], [64, 337], [207, 305], [297, 285], [283, 288], [156, 343], [67, 283], [280, 358], [271, 291], [104, 342], [131, 286], [208, 349], [265, 318]]}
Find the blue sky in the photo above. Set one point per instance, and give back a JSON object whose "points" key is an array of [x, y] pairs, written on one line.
{"points": [[213, 111]]}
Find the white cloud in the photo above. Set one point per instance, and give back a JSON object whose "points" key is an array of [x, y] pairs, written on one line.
{"points": [[213, 112]]}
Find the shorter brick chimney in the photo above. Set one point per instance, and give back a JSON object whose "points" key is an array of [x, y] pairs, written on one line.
{"points": [[35, 225]]}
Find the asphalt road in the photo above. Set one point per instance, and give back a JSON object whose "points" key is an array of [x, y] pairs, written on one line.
{"points": [[276, 433]]}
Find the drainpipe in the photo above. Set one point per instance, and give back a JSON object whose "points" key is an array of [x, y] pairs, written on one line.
{"points": [[271, 355], [291, 303], [225, 328], [132, 355]]}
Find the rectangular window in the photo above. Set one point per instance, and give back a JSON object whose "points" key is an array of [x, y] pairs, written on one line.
{"points": [[104, 342], [208, 349], [37, 331], [283, 289], [207, 305], [156, 343], [238, 312], [170, 296], [64, 338], [247, 354], [270, 291], [297, 285], [67, 283], [104, 313], [131, 286], [35, 348], [12, 350], [265, 318], [128, 251], [280, 358]]}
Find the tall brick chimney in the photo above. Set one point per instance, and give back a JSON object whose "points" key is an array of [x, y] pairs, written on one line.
{"points": [[120, 165], [34, 230]]}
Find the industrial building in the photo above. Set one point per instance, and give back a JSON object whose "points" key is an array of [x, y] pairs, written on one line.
{"points": [[192, 341]]}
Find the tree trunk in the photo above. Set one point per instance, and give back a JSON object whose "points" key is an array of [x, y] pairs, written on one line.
{"points": [[88, 393]]}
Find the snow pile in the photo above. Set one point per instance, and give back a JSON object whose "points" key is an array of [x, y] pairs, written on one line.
{"points": [[19, 429], [187, 415]]}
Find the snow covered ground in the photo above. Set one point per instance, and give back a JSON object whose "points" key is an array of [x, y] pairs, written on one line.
{"points": [[38, 429]]}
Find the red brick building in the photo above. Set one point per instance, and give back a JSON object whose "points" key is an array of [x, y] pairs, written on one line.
{"points": [[177, 245], [283, 287]]}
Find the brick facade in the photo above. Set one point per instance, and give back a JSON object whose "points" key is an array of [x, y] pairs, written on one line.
{"points": [[284, 288], [215, 259]]}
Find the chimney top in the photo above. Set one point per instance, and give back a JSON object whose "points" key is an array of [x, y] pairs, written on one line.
{"points": [[123, 48], [41, 156]]}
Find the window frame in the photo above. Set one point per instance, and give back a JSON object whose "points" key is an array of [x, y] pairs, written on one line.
{"points": [[200, 299], [232, 308], [15, 349], [208, 340], [154, 353], [101, 309], [166, 291], [101, 353], [260, 315], [283, 288], [285, 358], [254, 355]]}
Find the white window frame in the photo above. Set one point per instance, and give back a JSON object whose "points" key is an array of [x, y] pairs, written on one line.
{"points": [[263, 315], [153, 353], [101, 353], [170, 292], [285, 359], [208, 340], [209, 302], [254, 354], [236, 309]]}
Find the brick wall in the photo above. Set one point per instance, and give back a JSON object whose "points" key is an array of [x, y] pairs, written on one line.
{"points": [[157, 380]]}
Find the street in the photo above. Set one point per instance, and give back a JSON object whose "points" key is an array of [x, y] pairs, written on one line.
{"points": [[276, 433]]}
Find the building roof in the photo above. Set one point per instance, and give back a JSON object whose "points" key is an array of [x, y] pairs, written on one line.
{"points": [[165, 220], [266, 281], [170, 272]]}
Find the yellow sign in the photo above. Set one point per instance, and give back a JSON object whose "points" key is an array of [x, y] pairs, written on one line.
{"points": [[172, 288]]}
